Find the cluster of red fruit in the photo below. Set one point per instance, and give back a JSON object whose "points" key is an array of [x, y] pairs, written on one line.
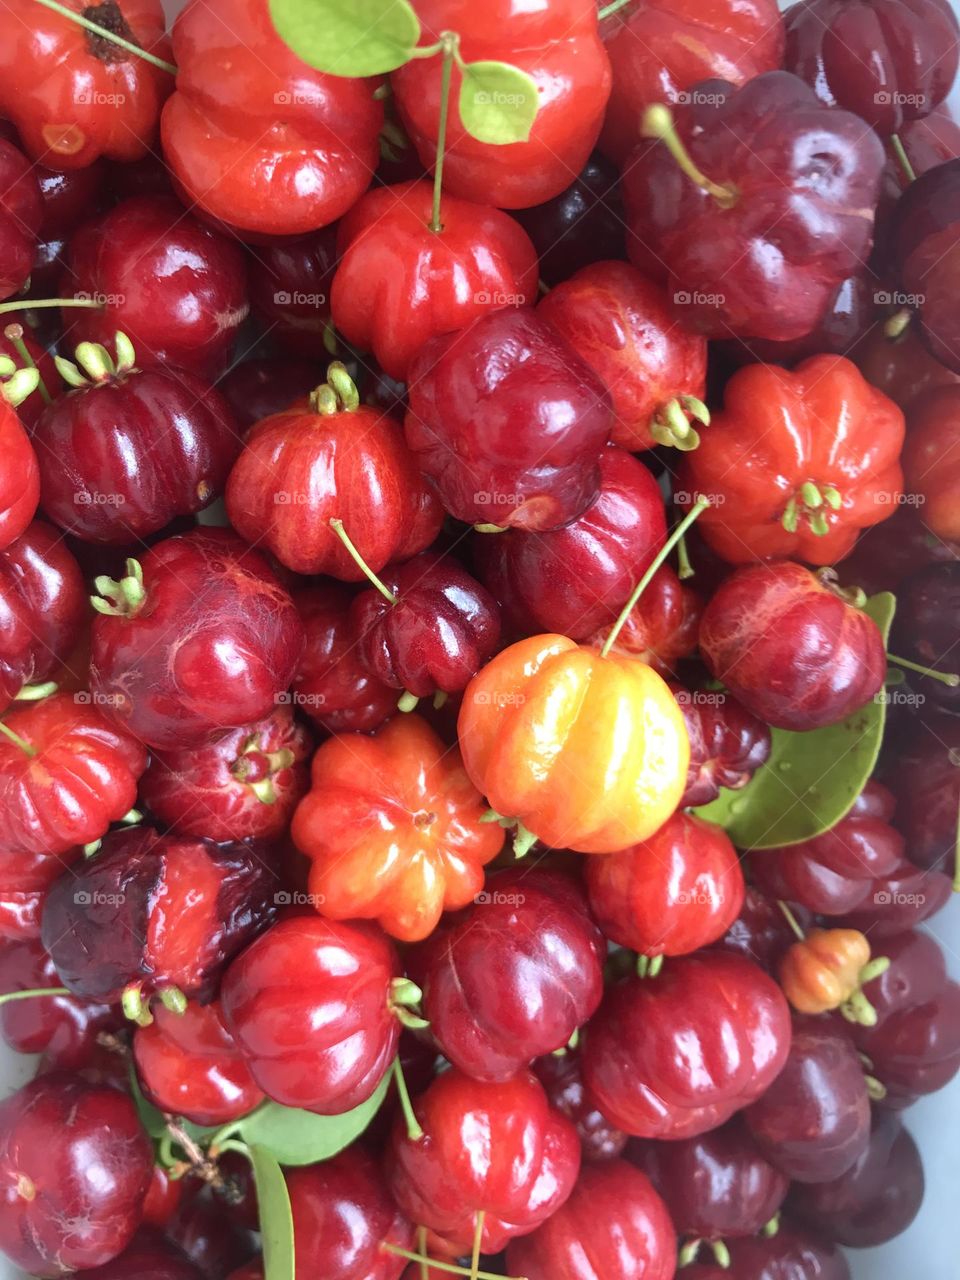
{"points": [[472, 847]]}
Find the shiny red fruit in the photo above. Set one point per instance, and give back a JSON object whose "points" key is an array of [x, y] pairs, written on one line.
{"points": [[188, 1065], [62, 1023], [290, 282], [576, 579], [791, 1254], [926, 779], [662, 626], [75, 1165], [790, 647], [672, 894], [562, 1077], [207, 1233], [244, 785], [257, 389], [481, 259], [927, 628], [149, 1256], [204, 638], [19, 476], [728, 744], [900, 901], [925, 239], [676, 1055], [889, 552], [518, 1174], [21, 209], [308, 1003], [174, 286], [760, 932], [508, 423], [613, 1226], [902, 367], [582, 224], [24, 880]]}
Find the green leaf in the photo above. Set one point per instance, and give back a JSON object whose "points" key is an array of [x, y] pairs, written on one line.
{"points": [[811, 779], [151, 1119], [348, 37], [276, 1217], [498, 102], [300, 1137]]}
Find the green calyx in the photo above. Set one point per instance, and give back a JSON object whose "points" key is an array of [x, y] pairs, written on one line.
{"points": [[810, 505], [523, 839], [17, 383], [338, 394], [404, 1001], [257, 768], [93, 364], [672, 426], [123, 598]]}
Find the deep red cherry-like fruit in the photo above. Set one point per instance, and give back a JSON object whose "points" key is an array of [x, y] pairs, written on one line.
{"points": [[290, 282], [580, 225], [517, 1175], [576, 579], [791, 1254], [661, 629], [258, 388], [926, 242], [515, 976], [42, 608], [174, 286], [621, 323], [508, 423], [672, 894], [479, 260], [24, 880], [129, 450], [33, 1026], [75, 1166], [727, 743], [151, 912], [188, 1065], [928, 627], [65, 775], [761, 932], [926, 780], [562, 1077], [716, 1186], [790, 647], [19, 476], [614, 1225], [199, 637], [787, 217], [245, 784], [149, 1256], [813, 1123], [21, 209], [676, 1055], [309, 1004]]}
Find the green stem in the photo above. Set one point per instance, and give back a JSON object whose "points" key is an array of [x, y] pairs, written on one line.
{"points": [[693, 514], [14, 335], [903, 160], [448, 1268], [39, 304], [944, 677], [684, 567], [106, 34], [791, 920], [449, 43], [414, 1131], [17, 741], [8, 996], [477, 1243], [337, 527], [658, 123], [609, 9]]}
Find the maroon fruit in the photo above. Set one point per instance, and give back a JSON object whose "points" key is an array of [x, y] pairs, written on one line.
{"points": [[290, 281], [562, 1076], [728, 744], [21, 210]]}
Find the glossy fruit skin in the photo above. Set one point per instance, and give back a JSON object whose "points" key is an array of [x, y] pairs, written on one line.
{"points": [[120, 459], [508, 423], [214, 644], [511, 979], [575, 580], [760, 932], [621, 323], [24, 880], [188, 1064], [308, 1005], [290, 281], [613, 1225], [822, 972], [671, 894], [520, 1176], [229, 151], [792, 1254], [177, 288], [716, 1186], [299, 469], [481, 259], [82, 777], [392, 828], [562, 1078], [728, 744], [844, 327], [208, 791], [662, 627], [821, 424], [443, 629], [874, 1200], [931, 459], [927, 784], [809, 170], [332, 685], [83, 1150], [914, 1049], [21, 208], [149, 1256], [769, 626], [75, 96], [560, 47], [580, 225], [925, 249], [888, 553], [903, 368], [201, 1229], [813, 1122], [900, 901], [42, 608], [659, 49], [723, 1004], [537, 733], [19, 476], [156, 911], [927, 631], [885, 60], [58, 1023], [30, 409], [256, 389]]}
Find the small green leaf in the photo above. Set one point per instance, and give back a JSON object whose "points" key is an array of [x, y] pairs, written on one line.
{"points": [[498, 102], [300, 1137], [151, 1119], [348, 37], [811, 779], [276, 1217]]}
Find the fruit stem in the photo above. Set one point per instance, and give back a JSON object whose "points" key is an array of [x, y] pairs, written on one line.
{"points": [[658, 123], [684, 567], [39, 304], [405, 997], [610, 9], [903, 160], [173, 999], [133, 1006], [771, 1228], [948, 678], [123, 598], [490, 528], [898, 324], [693, 514], [407, 701], [791, 920], [106, 34], [337, 526], [449, 41], [8, 996], [414, 1131], [36, 692], [14, 335], [477, 1242], [721, 1254], [448, 1268], [17, 741]]}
